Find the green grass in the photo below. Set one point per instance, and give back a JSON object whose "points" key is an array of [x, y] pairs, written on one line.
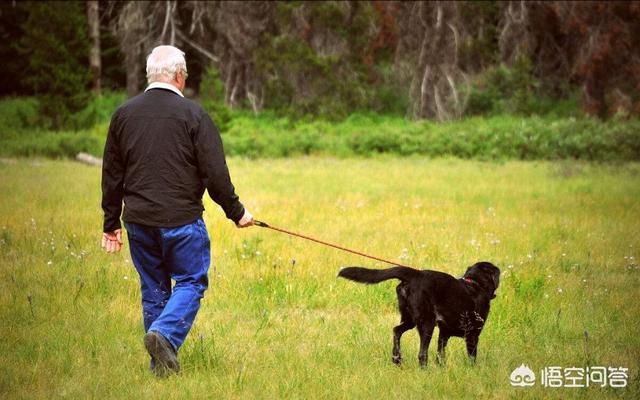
{"points": [[566, 236]]}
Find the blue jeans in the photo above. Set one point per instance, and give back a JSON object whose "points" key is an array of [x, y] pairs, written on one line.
{"points": [[162, 254]]}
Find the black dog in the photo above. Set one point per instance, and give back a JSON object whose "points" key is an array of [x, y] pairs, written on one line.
{"points": [[458, 306]]}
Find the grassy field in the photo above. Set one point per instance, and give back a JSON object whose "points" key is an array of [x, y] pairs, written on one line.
{"points": [[277, 323]]}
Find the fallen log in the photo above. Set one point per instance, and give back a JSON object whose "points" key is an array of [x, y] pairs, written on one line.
{"points": [[88, 159]]}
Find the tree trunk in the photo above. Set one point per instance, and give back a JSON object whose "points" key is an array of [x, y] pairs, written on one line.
{"points": [[514, 38], [134, 72], [437, 76], [93, 21], [135, 37]]}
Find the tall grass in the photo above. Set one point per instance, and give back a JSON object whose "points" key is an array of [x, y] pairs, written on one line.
{"points": [[277, 323]]}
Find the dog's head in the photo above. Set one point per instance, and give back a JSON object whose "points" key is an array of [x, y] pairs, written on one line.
{"points": [[486, 275]]}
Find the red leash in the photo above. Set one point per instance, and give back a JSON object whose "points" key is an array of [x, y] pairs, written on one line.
{"points": [[265, 225]]}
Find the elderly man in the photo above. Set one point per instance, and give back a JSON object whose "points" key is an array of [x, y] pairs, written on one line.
{"points": [[162, 151]]}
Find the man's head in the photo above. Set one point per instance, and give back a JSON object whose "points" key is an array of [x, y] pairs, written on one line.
{"points": [[167, 64]]}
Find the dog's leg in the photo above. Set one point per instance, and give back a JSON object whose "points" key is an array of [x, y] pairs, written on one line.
{"points": [[425, 328], [443, 338], [472, 346], [397, 334], [406, 322]]}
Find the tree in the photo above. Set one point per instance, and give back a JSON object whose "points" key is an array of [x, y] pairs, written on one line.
{"points": [[429, 45], [334, 57], [238, 29], [140, 26], [130, 27], [56, 46], [607, 59], [12, 16], [592, 45], [93, 21], [314, 58]]}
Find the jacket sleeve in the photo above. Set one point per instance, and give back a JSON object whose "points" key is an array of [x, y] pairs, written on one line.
{"points": [[112, 179], [213, 168]]}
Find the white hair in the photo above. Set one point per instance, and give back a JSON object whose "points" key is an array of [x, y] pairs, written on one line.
{"points": [[164, 62]]}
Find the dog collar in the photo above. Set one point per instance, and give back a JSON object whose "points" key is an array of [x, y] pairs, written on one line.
{"points": [[471, 281]]}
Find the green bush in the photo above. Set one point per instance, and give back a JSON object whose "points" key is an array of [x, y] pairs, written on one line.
{"points": [[97, 110], [220, 114], [52, 144], [211, 86], [211, 92], [495, 138], [515, 90], [19, 113], [268, 135], [24, 131]]}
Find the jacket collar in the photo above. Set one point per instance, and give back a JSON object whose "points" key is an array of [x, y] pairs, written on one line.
{"points": [[162, 85]]}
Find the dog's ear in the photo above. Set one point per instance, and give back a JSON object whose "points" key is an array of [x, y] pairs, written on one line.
{"points": [[496, 280], [494, 272]]}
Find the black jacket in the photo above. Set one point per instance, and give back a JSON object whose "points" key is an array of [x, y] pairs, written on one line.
{"points": [[162, 151]]}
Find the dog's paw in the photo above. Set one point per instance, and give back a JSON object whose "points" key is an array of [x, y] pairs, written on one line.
{"points": [[396, 359]]}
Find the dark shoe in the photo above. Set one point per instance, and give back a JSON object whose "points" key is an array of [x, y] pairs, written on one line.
{"points": [[163, 356]]}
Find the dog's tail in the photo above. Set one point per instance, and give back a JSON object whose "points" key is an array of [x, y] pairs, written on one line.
{"points": [[366, 275]]}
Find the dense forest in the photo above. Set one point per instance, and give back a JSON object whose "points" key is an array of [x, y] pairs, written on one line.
{"points": [[425, 60]]}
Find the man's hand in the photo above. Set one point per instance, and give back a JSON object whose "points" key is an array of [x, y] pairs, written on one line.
{"points": [[112, 241], [246, 220]]}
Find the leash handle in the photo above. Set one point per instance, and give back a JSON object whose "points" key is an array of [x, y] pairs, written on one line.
{"points": [[265, 225]]}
